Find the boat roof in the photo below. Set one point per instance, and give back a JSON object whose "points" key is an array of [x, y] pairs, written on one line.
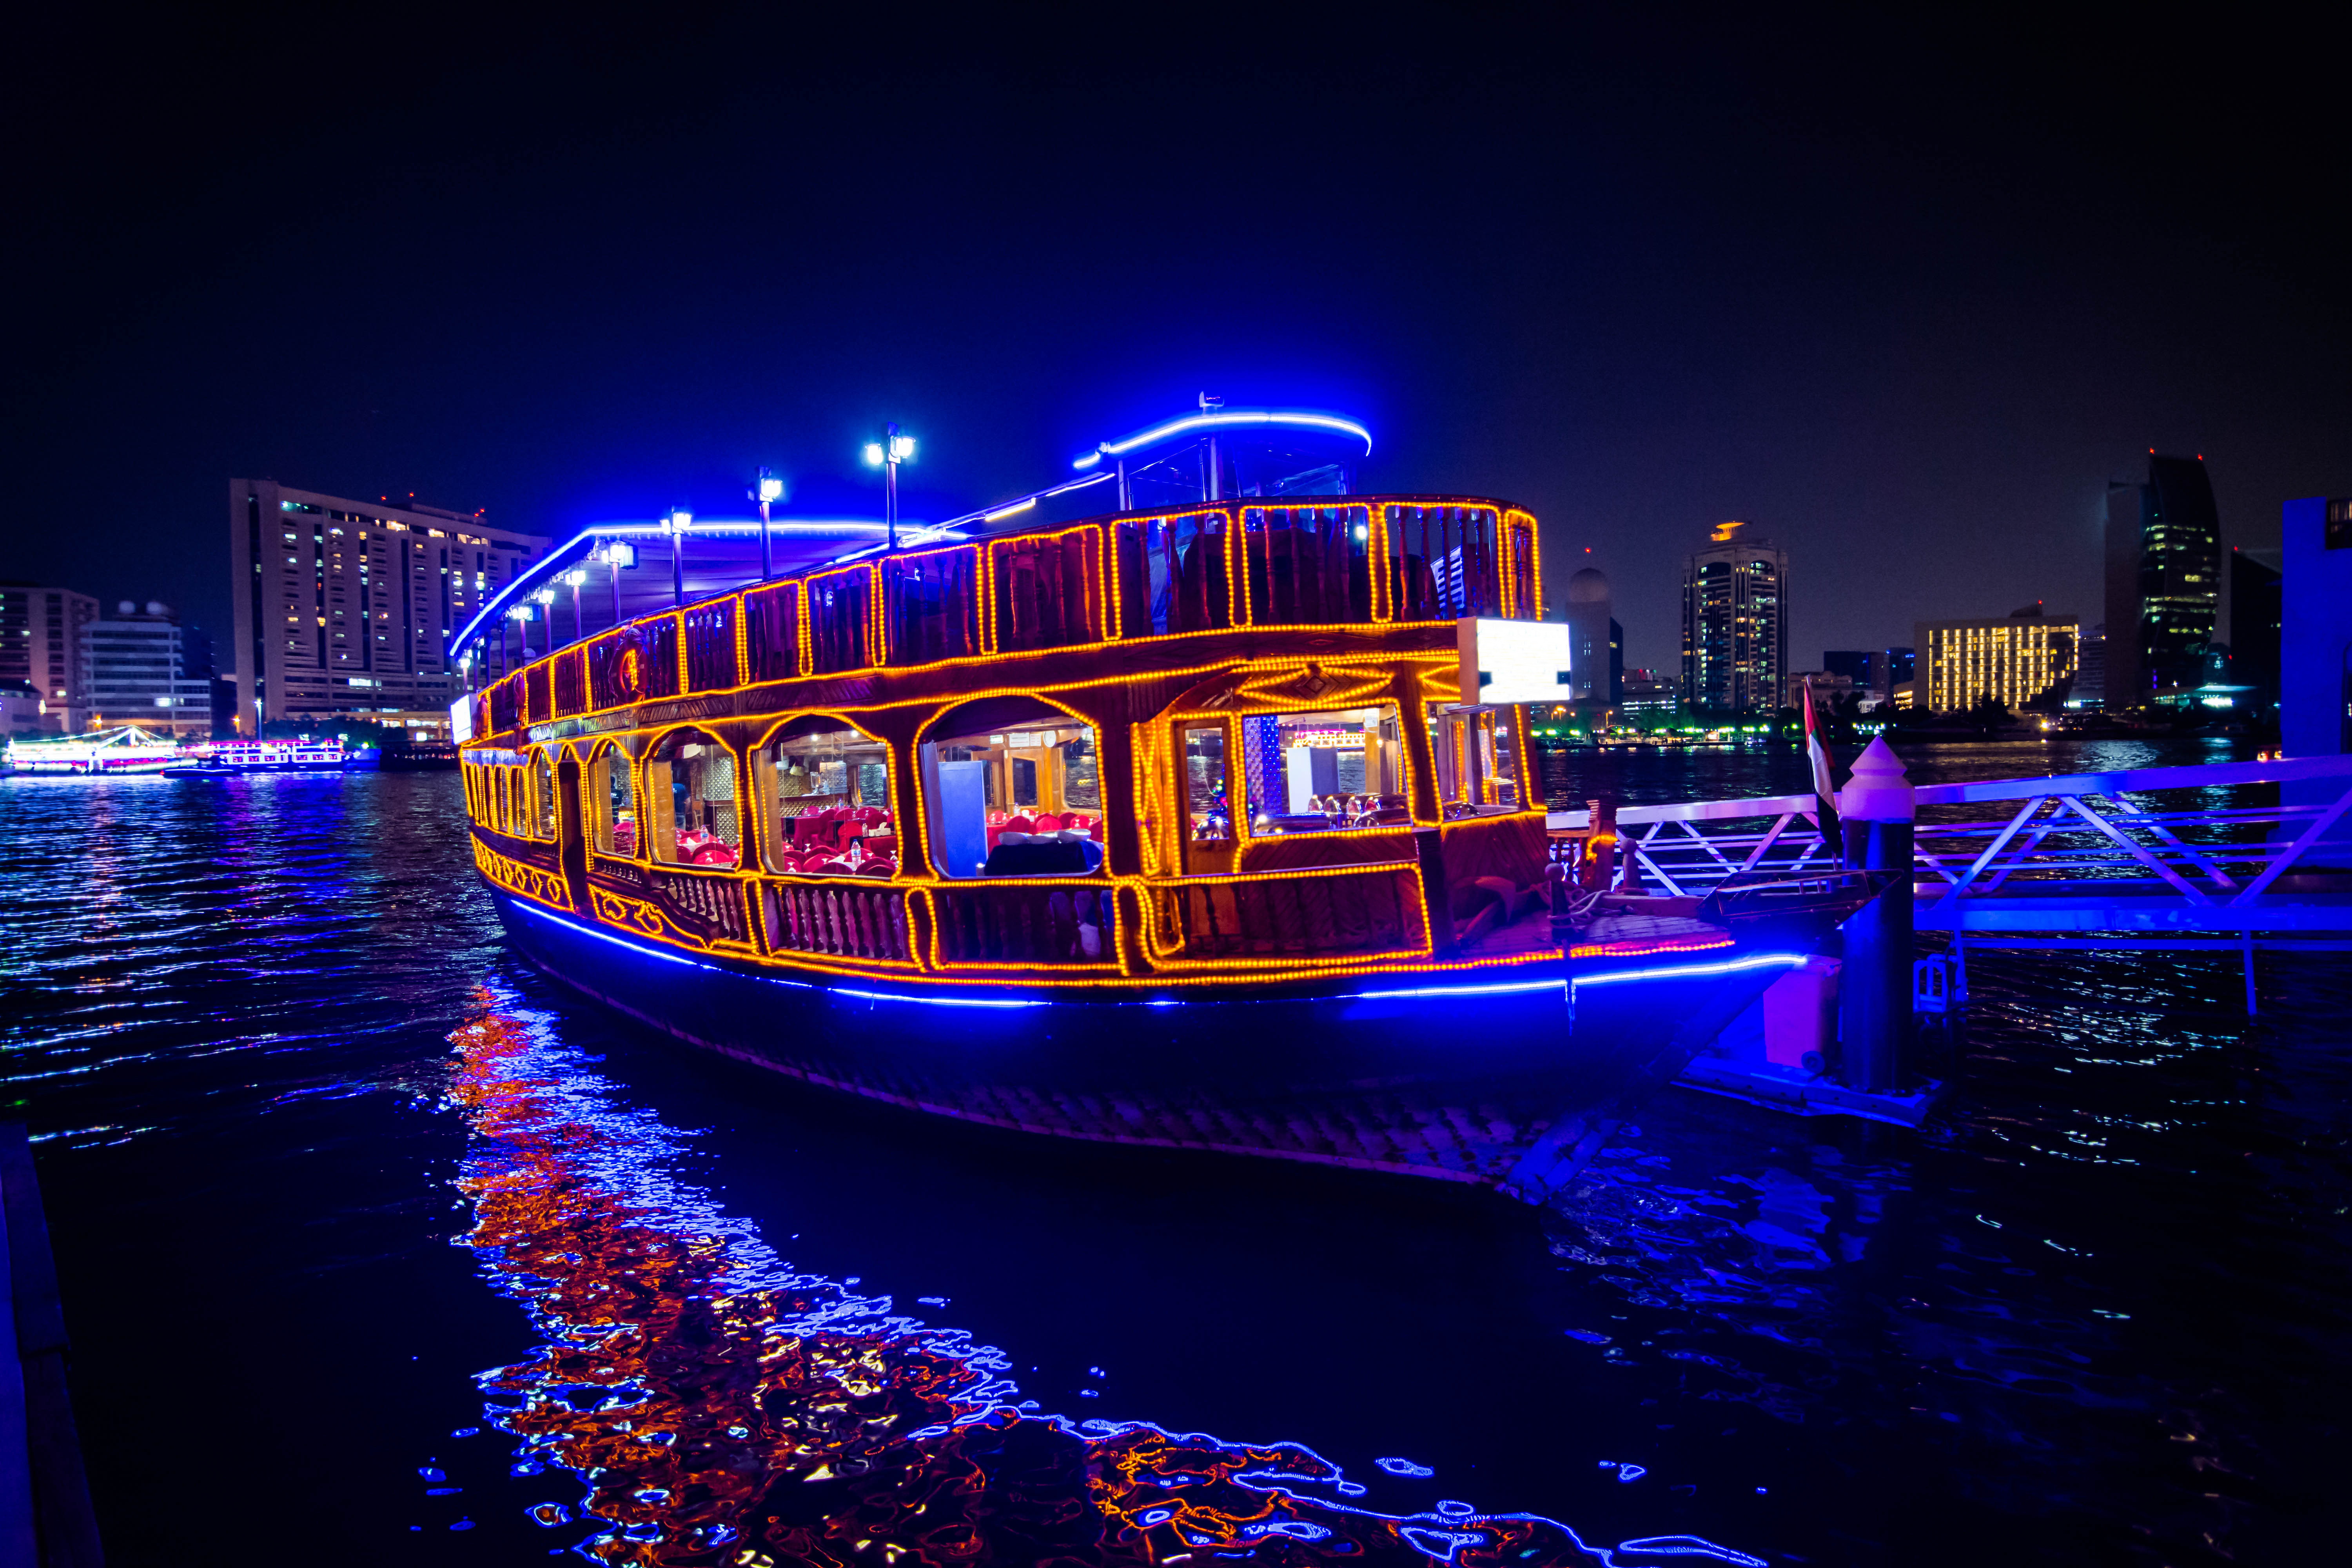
{"points": [[1274, 451]]}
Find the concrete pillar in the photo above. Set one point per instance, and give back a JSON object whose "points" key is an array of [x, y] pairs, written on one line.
{"points": [[1877, 808]]}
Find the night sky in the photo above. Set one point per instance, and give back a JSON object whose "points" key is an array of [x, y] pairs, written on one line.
{"points": [[1906, 294]]}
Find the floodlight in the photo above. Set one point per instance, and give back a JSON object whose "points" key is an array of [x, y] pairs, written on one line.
{"points": [[874, 453], [771, 489]]}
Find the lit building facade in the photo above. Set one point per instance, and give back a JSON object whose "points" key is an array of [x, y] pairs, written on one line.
{"points": [[2025, 660], [2163, 580], [40, 646], [1734, 624], [346, 608], [138, 672]]}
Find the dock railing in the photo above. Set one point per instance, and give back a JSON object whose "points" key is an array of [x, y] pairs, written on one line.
{"points": [[2182, 856]]}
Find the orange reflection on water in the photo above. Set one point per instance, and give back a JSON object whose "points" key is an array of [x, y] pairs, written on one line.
{"points": [[723, 1410]]}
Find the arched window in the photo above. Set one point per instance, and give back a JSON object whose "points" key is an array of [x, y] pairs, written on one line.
{"points": [[612, 801], [690, 805], [542, 795], [823, 789], [1013, 789]]}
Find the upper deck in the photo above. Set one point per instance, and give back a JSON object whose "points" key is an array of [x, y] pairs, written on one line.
{"points": [[1145, 592]]}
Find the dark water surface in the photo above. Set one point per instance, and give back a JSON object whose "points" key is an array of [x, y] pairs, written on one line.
{"points": [[377, 1248]]}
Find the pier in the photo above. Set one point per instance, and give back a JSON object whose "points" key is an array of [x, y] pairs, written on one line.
{"points": [[2145, 859]]}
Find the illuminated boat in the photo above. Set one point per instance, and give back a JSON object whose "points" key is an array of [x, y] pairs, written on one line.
{"points": [[129, 750], [230, 759], [1178, 824]]}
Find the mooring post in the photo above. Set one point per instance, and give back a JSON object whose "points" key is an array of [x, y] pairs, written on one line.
{"points": [[1877, 808]]}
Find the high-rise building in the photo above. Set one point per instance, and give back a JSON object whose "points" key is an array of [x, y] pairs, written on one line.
{"points": [[2256, 611], [138, 673], [1586, 610], [1734, 624], [1616, 662], [347, 607], [2163, 580], [2026, 659], [2090, 691], [40, 645]]}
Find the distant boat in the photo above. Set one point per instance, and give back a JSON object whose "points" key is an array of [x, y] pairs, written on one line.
{"points": [[129, 750], [231, 758]]}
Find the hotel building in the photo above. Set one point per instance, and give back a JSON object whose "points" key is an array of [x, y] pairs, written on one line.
{"points": [[346, 608], [2020, 660], [1734, 624]]}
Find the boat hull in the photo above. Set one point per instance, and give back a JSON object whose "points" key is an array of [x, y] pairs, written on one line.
{"points": [[1489, 1076]]}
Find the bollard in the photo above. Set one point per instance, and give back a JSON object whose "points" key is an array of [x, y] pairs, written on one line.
{"points": [[1874, 1022]]}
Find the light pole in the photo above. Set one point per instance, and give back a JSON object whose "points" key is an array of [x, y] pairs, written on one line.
{"points": [[576, 576], [675, 525], [769, 490], [617, 554], [546, 597], [886, 454], [521, 614]]}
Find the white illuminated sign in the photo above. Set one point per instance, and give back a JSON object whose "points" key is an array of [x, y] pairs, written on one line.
{"points": [[461, 719], [1504, 662]]}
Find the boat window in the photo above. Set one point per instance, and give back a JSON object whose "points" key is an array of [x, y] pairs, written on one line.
{"points": [[1022, 799], [1046, 595], [612, 798], [1208, 810], [1475, 751], [932, 603], [690, 801], [1325, 772], [1308, 565], [1171, 575], [823, 794], [542, 796]]}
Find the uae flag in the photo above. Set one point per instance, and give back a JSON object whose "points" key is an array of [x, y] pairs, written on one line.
{"points": [[1825, 794]]}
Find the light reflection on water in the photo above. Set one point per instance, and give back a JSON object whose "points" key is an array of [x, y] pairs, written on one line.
{"points": [[722, 1408], [2098, 1313]]}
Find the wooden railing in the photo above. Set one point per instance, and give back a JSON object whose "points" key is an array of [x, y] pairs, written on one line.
{"points": [[1024, 923], [714, 900], [836, 920], [1319, 914]]}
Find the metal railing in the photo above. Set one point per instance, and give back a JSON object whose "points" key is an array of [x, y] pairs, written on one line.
{"points": [[2118, 858]]}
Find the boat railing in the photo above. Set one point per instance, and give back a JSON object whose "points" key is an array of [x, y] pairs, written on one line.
{"points": [[837, 920], [1027, 921], [1329, 561], [1336, 912]]}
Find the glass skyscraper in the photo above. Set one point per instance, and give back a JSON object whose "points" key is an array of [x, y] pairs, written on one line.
{"points": [[1736, 624]]}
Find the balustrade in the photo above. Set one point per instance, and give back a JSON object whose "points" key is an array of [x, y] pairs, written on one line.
{"points": [[836, 920], [1317, 915], [1024, 923]]}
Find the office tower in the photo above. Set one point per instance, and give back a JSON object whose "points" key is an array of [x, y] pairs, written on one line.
{"points": [[2090, 670], [347, 607], [2026, 659], [136, 665], [40, 645], [2315, 639], [1586, 610], [1616, 662], [1734, 624], [2255, 608], [2163, 580]]}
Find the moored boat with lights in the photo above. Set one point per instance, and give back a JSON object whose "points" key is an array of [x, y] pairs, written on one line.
{"points": [[1207, 821], [127, 750], [232, 758]]}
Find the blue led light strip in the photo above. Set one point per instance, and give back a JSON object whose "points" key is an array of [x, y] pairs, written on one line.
{"points": [[1225, 419]]}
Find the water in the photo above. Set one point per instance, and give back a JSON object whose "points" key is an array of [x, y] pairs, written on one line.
{"points": [[376, 1249]]}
